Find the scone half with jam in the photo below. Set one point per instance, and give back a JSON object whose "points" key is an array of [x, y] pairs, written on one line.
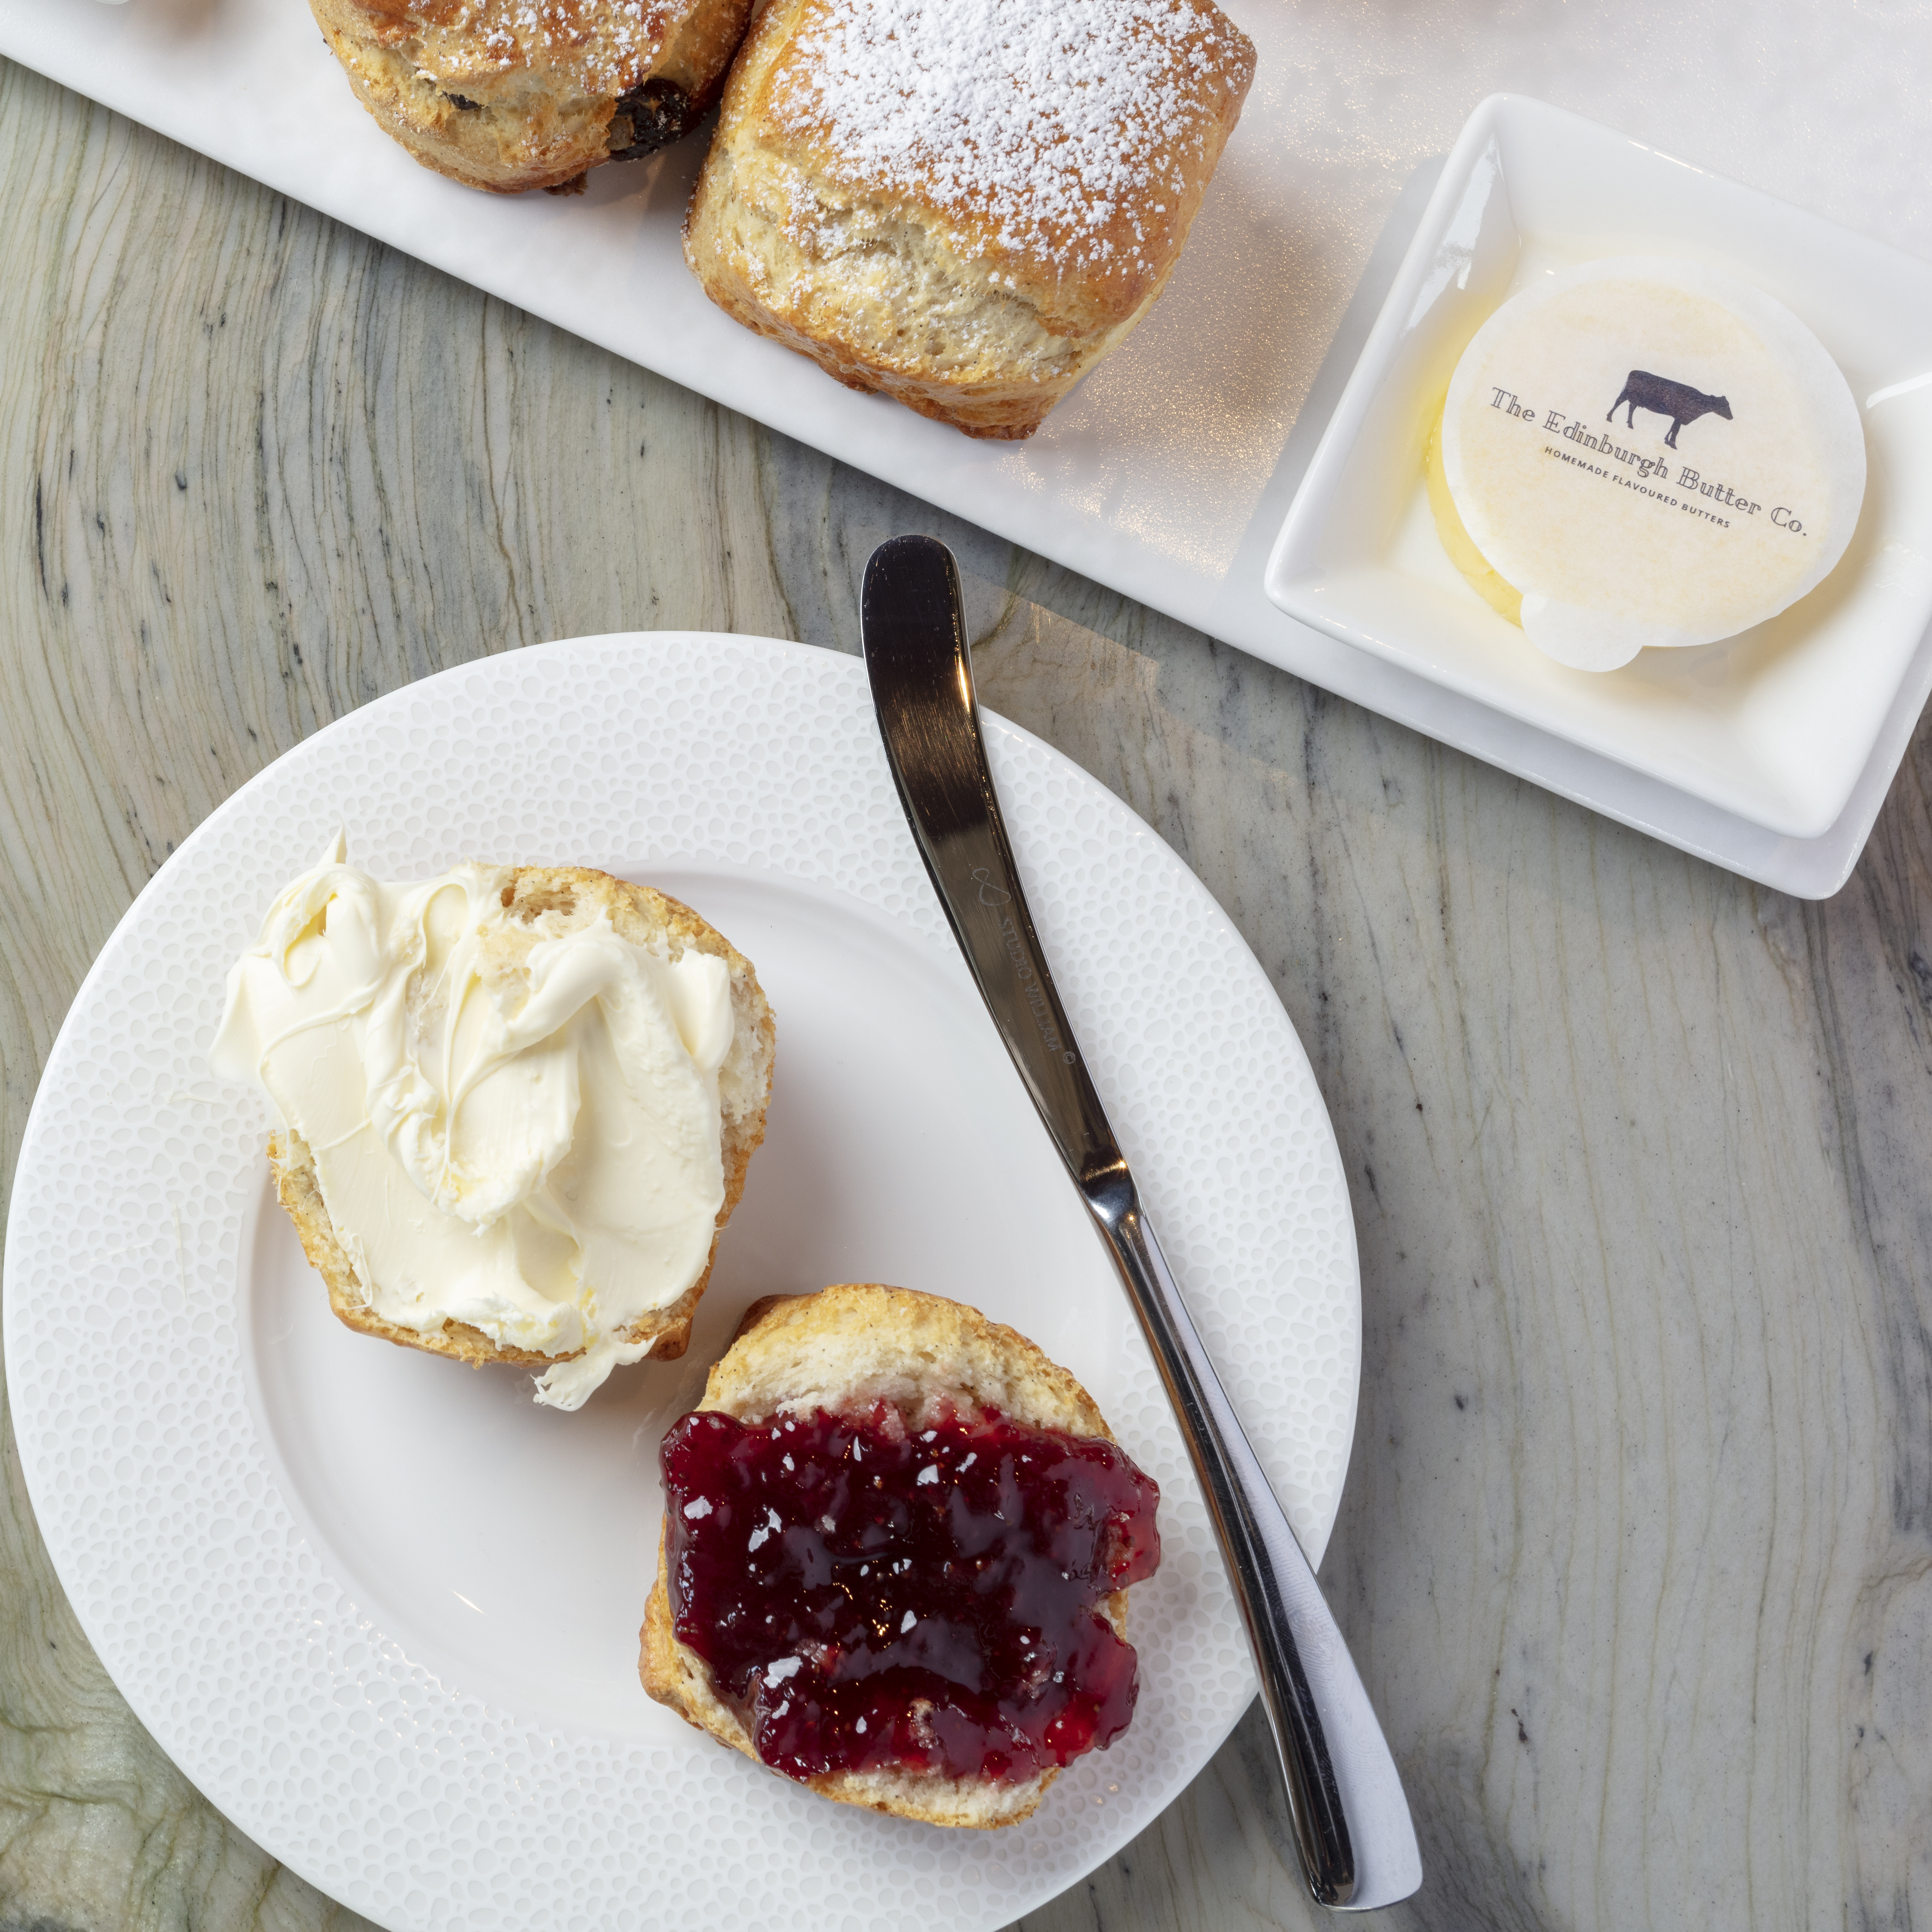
{"points": [[895, 1558], [515, 1106], [965, 207]]}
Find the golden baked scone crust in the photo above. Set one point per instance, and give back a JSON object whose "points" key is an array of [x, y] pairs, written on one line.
{"points": [[843, 1349], [646, 917], [513, 94], [892, 191]]}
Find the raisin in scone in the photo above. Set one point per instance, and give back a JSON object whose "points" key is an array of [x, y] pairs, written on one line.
{"points": [[963, 206], [515, 1106], [512, 94], [894, 1556]]}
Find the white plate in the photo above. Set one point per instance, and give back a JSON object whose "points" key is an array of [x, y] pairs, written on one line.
{"points": [[1774, 725], [1168, 472], [383, 1611]]}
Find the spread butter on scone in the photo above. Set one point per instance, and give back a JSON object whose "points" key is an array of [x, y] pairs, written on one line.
{"points": [[513, 94], [894, 1556], [965, 207], [515, 1105]]}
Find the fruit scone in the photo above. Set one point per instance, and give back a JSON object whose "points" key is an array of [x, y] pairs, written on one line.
{"points": [[511, 95], [894, 1557], [963, 205], [515, 1106]]}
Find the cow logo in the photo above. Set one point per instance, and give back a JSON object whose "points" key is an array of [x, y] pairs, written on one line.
{"points": [[1678, 400]]}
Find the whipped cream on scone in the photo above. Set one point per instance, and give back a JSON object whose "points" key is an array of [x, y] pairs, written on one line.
{"points": [[515, 1103]]}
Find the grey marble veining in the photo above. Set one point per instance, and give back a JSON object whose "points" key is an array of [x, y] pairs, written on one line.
{"points": [[1636, 1550]]}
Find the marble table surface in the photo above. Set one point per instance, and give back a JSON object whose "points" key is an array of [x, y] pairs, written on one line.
{"points": [[1636, 1550]]}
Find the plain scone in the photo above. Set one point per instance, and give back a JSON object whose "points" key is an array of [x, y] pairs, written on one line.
{"points": [[513, 94], [646, 918], [895, 190], [843, 1349]]}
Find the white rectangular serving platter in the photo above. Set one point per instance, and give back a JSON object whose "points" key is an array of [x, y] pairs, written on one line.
{"points": [[1167, 474]]}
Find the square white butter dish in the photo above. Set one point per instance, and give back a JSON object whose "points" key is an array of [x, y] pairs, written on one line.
{"points": [[1776, 724]]}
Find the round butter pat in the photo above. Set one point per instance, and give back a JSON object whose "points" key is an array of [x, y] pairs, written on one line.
{"points": [[1651, 452]]}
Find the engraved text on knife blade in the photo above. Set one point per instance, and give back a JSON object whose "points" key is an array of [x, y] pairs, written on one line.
{"points": [[996, 897]]}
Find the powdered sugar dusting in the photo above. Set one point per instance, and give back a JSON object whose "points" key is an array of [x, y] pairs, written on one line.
{"points": [[1072, 128], [602, 44]]}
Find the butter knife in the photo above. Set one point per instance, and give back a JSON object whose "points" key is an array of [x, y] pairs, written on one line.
{"points": [[1350, 1820]]}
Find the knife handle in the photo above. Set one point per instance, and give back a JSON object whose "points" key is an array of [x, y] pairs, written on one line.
{"points": [[1288, 1623]]}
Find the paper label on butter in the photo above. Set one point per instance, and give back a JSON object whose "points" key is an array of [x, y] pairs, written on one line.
{"points": [[1654, 453]]}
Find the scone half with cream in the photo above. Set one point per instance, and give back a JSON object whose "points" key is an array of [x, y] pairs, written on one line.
{"points": [[515, 1106], [894, 1558], [514, 94], [963, 206]]}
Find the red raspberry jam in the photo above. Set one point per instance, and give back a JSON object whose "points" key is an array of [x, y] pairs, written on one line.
{"points": [[870, 1599]]}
